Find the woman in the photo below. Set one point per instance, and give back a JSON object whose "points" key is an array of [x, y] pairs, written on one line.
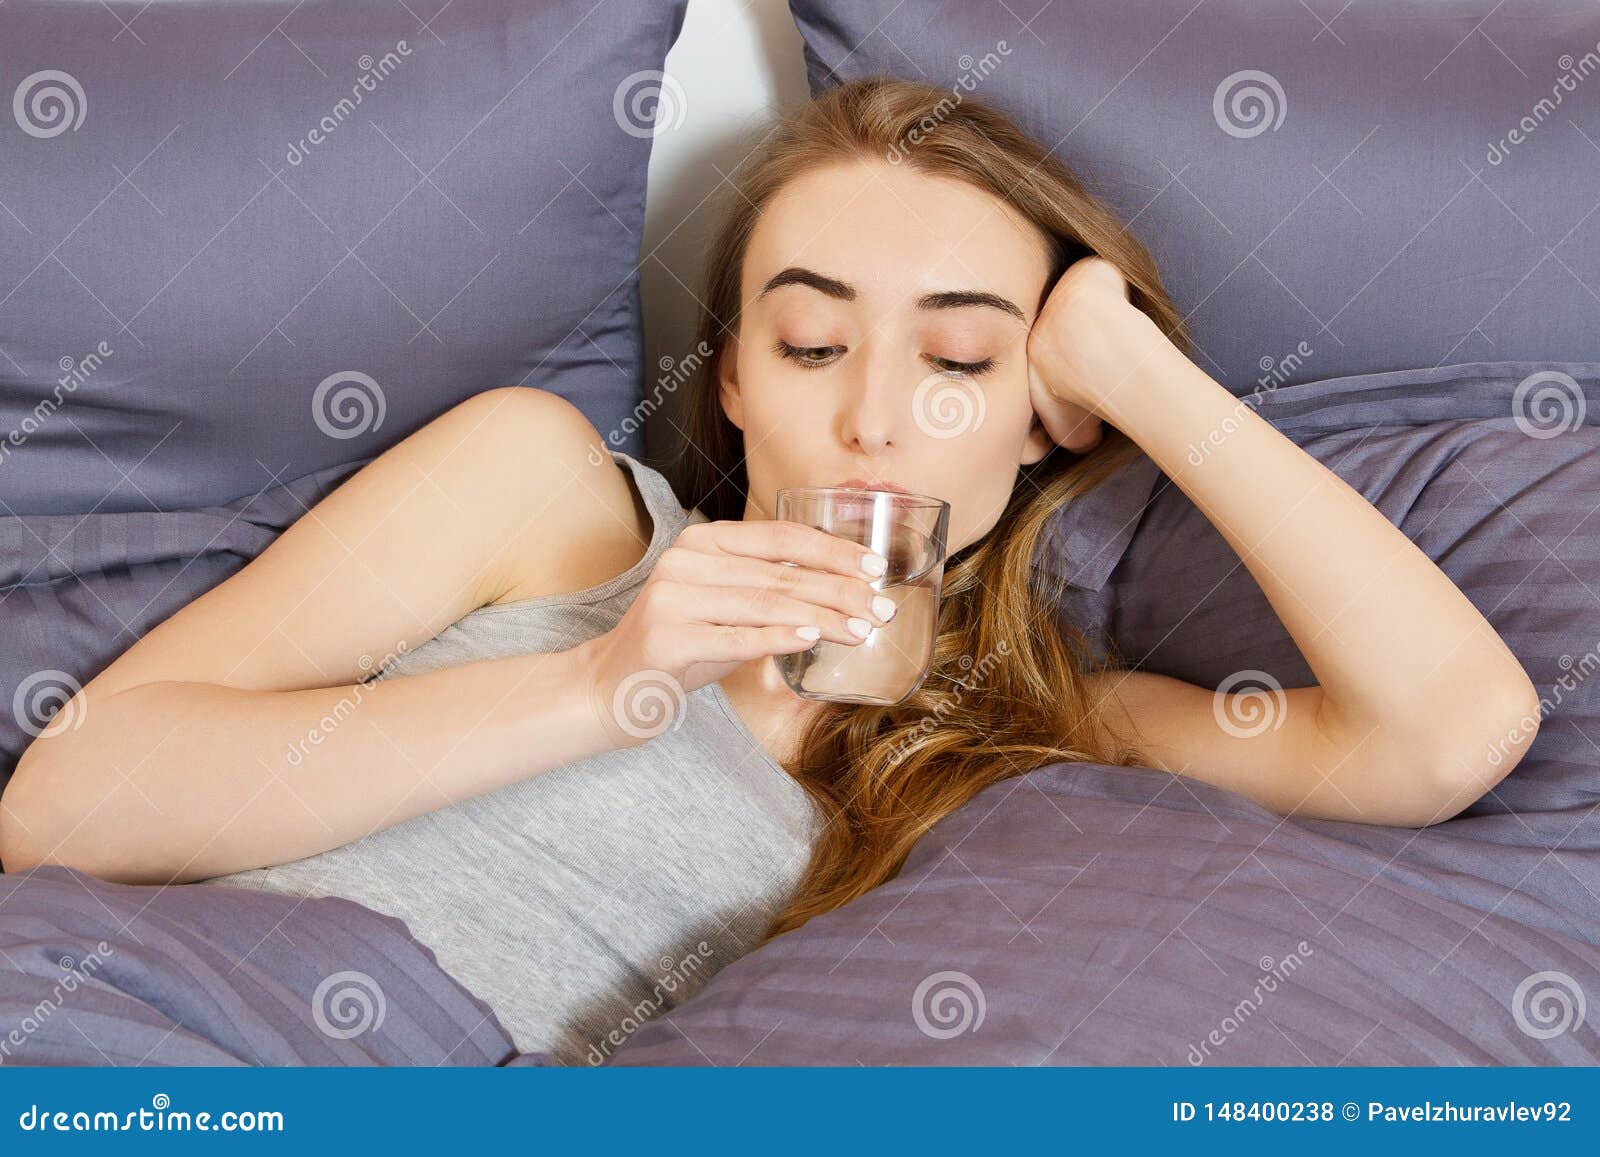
{"points": [[591, 789]]}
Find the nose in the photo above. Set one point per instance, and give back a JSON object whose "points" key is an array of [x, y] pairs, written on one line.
{"points": [[872, 412]]}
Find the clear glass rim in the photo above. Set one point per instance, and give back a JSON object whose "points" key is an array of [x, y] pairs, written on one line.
{"points": [[901, 498]]}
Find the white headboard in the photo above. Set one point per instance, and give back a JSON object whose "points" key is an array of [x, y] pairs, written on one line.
{"points": [[735, 64]]}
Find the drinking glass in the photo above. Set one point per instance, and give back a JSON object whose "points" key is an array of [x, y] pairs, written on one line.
{"points": [[909, 530]]}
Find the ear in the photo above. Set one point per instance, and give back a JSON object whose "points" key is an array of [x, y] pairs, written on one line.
{"points": [[1037, 444], [728, 383]]}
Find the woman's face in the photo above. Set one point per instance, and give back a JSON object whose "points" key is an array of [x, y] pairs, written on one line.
{"points": [[883, 341]]}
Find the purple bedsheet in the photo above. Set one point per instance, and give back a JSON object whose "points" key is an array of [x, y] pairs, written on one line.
{"points": [[94, 973]]}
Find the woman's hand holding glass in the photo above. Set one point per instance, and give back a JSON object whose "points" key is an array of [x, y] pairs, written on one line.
{"points": [[723, 594]]}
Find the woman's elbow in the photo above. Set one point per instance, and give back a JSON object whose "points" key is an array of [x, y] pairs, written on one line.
{"points": [[1505, 727], [39, 822], [23, 844]]}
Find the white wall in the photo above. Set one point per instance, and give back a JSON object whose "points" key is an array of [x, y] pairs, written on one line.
{"points": [[736, 63]]}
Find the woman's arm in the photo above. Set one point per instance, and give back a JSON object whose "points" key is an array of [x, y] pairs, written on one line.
{"points": [[1420, 708], [236, 734]]}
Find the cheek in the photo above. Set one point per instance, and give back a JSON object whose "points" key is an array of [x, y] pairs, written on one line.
{"points": [[973, 520], [769, 394], [980, 467], [781, 432], [780, 429], [1012, 409], [993, 427]]}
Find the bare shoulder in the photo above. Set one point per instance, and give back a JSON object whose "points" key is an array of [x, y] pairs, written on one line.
{"points": [[508, 494], [568, 516]]}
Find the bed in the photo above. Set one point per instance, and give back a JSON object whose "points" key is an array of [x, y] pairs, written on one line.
{"points": [[1414, 310]]}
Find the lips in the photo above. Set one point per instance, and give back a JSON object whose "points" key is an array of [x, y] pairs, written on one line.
{"points": [[866, 484]]}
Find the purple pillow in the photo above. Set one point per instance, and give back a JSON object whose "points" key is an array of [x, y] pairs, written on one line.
{"points": [[1486, 467], [242, 243], [1327, 190]]}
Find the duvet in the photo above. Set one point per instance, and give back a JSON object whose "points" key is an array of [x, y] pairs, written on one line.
{"points": [[95, 973]]}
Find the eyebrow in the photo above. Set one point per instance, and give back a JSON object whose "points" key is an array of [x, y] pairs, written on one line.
{"points": [[946, 299]]}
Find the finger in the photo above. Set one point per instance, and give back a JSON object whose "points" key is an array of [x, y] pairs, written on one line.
{"points": [[730, 644], [849, 596], [780, 541], [752, 607]]}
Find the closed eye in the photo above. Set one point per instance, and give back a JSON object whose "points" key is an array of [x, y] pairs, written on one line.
{"points": [[973, 369], [815, 357], [807, 357]]}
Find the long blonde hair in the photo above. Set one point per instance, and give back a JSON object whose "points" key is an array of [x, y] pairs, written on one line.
{"points": [[1006, 692]]}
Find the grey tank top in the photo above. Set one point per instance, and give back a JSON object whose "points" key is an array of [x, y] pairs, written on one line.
{"points": [[583, 901]]}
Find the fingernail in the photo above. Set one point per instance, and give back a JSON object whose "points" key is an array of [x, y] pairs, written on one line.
{"points": [[860, 628], [875, 565], [883, 606], [809, 634]]}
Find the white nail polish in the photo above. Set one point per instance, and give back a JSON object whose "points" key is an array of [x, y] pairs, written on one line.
{"points": [[883, 606], [859, 627], [809, 634], [875, 565]]}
